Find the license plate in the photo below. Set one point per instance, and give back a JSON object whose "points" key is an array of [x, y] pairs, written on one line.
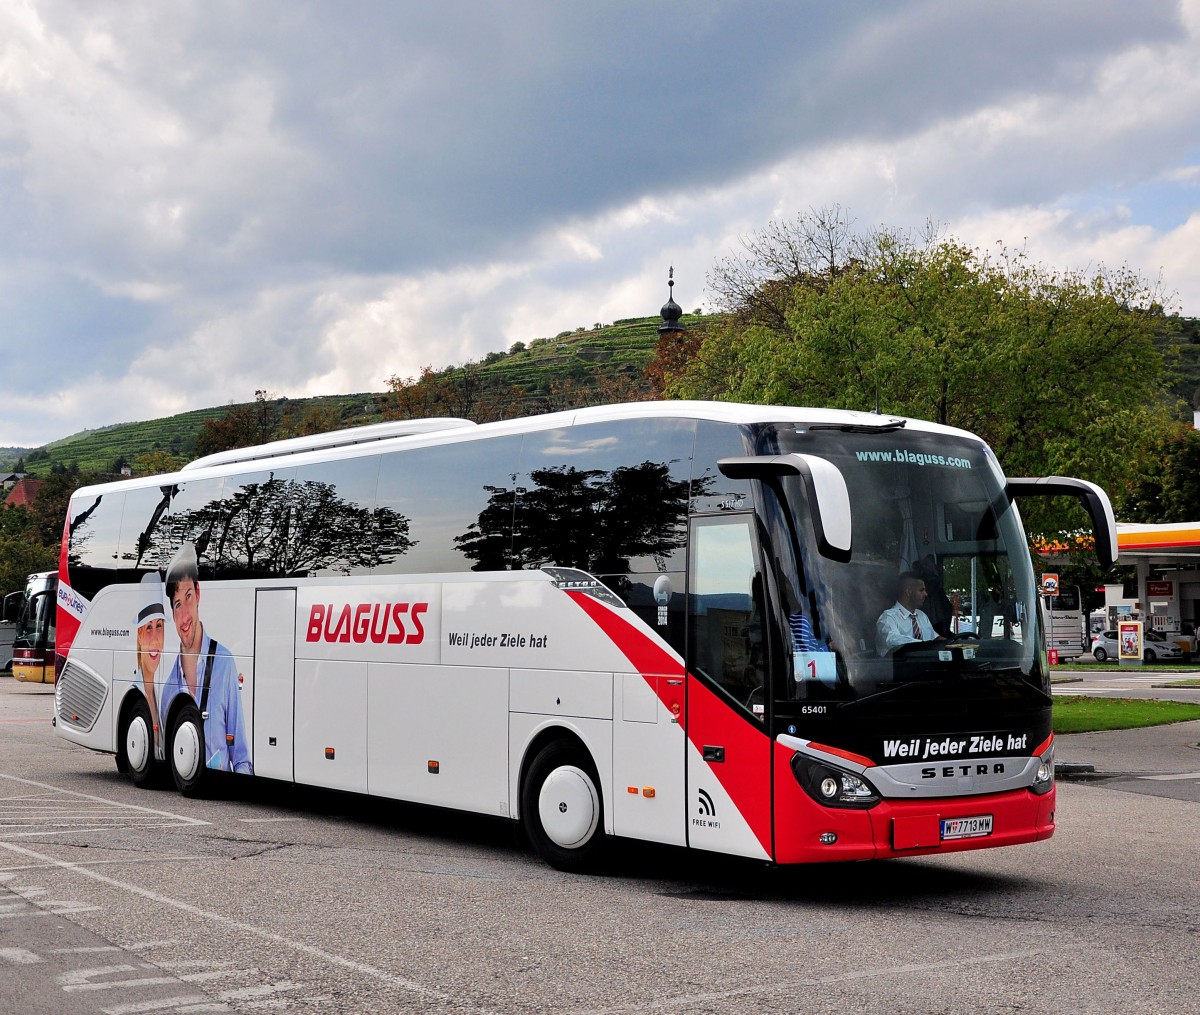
{"points": [[967, 828]]}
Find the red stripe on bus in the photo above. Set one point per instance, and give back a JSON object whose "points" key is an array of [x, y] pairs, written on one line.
{"points": [[858, 759], [747, 782]]}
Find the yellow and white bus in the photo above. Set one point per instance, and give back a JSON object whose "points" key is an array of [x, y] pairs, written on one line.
{"points": [[33, 650]]}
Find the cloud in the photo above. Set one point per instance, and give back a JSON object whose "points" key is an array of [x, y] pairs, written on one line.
{"points": [[201, 199]]}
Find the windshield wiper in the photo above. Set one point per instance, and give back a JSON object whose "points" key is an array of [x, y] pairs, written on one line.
{"points": [[887, 692], [1004, 678], [885, 426], [1012, 677]]}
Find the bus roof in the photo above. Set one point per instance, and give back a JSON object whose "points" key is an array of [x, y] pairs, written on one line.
{"points": [[329, 440], [446, 430]]}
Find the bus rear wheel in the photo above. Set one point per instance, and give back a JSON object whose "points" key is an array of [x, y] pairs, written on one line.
{"points": [[561, 808], [136, 750], [187, 750]]}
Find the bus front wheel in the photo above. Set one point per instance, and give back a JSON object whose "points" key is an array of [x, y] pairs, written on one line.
{"points": [[136, 752], [187, 750], [562, 810]]}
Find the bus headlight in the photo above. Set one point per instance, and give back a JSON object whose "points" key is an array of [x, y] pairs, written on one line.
{"points": [[1043, 779], [831, 786]]}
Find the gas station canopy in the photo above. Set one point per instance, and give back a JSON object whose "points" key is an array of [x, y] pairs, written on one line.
{"points": [[1174, 544]]}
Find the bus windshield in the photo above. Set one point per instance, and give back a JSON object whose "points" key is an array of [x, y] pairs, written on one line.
{"points": [[929, 511], [35, 622]]}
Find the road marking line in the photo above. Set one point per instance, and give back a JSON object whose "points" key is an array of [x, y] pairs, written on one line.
{"points": [[194, 1002], [85, 979], [82, 951], [19, 956], [5, 874], [266, 990], [691, 1001], [222, 920], [1171, 778], [102, 800]]}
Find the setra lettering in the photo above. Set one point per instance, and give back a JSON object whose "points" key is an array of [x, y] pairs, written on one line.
{"points": [[957, 771]]}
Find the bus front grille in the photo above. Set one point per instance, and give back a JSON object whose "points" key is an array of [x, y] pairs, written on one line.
{"points": [[79, 696]]}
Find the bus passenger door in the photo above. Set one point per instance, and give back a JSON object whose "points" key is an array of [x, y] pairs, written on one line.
{"points": [[728, 749], [274, 682]]}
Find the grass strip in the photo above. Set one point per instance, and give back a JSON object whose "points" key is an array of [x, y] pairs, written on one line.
{"points": [[1083, 714]]}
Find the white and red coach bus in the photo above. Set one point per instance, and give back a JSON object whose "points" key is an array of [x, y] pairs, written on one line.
{"points": [[652, 620]]}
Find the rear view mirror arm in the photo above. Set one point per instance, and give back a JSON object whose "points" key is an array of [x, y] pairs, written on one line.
{"points": [[824, 488], [1094, 500]]}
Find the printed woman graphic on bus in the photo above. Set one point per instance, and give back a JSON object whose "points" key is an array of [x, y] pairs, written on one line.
{"points": [[151, 634], [205, 670]]}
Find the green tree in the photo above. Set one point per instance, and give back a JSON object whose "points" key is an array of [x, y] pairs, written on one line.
{"points": [[461, 392], [20, 556], [49, 511], [1058, 371], [1169, 488], [15, 520], [243, 426], [157, 462]]}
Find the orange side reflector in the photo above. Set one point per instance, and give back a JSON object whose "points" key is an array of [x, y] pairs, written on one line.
{"points": [[633, 790], [434, 767], [648, 792], [328, 753]]}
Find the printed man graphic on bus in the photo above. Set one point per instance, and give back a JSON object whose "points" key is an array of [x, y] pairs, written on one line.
{"points": [[205, 670]]}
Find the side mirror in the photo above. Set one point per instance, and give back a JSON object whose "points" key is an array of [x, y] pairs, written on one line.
{"points": [[824, 487], [1094, 500]]}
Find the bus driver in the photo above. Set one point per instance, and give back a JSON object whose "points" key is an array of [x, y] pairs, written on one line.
{"points": [[904, 623]]}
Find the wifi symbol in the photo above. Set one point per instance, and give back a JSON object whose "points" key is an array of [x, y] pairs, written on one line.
{"points": [[706, 804]]}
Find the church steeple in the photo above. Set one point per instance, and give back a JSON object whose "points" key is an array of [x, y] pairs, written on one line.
{"points": [[671, 311]]}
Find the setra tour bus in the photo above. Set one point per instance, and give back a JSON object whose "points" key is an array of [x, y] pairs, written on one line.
{"points": [[660, 621]]}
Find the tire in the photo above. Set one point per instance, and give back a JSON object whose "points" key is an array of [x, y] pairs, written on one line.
{"points": [[186, 746], [562, 810], [1100, 654], [1148, 656], [135, 753]]}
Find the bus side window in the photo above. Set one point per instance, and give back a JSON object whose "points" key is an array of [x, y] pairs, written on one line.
{"points": [[94, 543], [332, 519], [608, 498], [449, 508], [726, 635]]}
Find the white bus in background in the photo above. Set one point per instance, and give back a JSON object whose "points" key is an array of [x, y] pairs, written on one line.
{"points": [[653, 620], [1062, 618]]}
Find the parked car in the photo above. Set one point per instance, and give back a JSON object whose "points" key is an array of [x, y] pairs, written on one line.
{"points": [[1154, 647]]}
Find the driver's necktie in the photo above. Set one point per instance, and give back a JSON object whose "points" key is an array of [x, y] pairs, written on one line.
{"points": [[916, 626]]}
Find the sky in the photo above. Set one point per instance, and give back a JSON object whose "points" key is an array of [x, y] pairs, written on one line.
{"points": [[202, 199]]}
